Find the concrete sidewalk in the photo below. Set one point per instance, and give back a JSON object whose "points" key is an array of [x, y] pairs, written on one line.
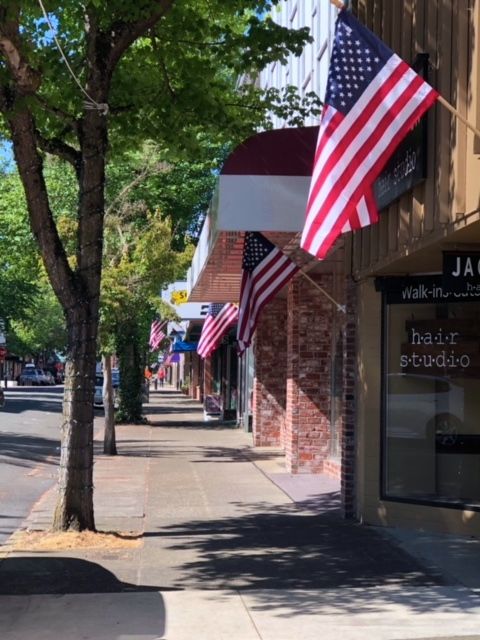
{"points": [[231, 547]]}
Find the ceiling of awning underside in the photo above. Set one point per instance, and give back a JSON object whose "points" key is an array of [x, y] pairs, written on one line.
{"points": [[222, 274]]}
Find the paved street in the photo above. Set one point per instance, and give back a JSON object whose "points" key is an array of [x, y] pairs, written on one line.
{"points": [[232, 547], [29, 441]]}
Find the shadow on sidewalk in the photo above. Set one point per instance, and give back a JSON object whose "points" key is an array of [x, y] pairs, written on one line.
{"points": [[159, 410], [35, 575], [280, 548]]}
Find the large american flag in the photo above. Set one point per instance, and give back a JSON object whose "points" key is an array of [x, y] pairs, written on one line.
{"points": [[219, 318], [373, 99], [156, 334], [266, 270]]}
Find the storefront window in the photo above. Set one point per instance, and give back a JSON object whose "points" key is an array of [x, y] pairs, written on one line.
{"points": [[431, 426]]}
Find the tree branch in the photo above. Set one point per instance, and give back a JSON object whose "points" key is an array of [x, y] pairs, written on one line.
{"points": [[57, 147], [70, 121], [27, 80], [125, 33], [30, 167], [143, 175]]}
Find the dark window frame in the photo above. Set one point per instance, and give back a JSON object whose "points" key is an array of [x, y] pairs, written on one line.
{"points": [[382, 285]]}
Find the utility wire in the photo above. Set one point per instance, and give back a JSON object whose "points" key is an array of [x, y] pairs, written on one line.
{"points": [[90, 103]]}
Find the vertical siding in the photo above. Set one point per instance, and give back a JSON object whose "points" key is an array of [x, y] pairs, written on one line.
{"points": [[446, 31], [406, 51], [459, 97], [418, 46], [430, 44], [445, 119], [473, 107]]}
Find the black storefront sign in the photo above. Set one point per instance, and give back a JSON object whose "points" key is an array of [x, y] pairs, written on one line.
{"points": [[407, 166], [461, 271], [422, 290]]}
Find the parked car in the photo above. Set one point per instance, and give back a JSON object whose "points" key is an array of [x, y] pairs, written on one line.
{"points": [[98, 398], [31, 376], [48, 377]]}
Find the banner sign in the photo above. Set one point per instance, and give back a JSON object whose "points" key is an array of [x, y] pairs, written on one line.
{"points": [[407, 166], [213, 405], [422, 290]]}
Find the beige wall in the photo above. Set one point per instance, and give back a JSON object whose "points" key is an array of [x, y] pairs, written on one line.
{"points": [[442, 213], [368, 398]]}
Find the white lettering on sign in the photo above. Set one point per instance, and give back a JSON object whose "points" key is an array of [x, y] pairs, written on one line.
{"points": [[442, 359], [439, 337], [434, 292], [469, 267]]}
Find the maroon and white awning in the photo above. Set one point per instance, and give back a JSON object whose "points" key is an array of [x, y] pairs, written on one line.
{"points": [[263, 186]]}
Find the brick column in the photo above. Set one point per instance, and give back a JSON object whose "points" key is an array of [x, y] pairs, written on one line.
{"points": [[269, 391], [195, 376], [309, 329], [349, 407], [207, 376]]}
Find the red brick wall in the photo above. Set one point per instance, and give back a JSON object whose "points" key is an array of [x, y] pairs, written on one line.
{"points": [[269, 394], [292, 390], [309, 328]]}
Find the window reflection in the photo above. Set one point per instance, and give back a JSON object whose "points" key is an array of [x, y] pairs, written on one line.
{"points": [[432, 402]]}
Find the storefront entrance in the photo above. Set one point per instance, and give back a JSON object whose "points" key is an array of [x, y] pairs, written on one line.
{"points": [[430, 393]]}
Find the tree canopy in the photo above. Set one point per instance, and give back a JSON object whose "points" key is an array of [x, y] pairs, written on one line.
{"points": [[115, 74]]}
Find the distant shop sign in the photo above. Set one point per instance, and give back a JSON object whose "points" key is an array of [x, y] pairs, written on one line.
{"points": [[461, 271]]}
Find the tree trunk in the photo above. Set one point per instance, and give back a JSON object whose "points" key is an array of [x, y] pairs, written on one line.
{"points": [[109, 441], [131, 375], [74, 508], [76, 287]]}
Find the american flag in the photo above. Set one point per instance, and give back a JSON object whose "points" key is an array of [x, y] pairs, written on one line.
{"points": [[156, 334], [219, 318], [266, 270], [373, 99]]}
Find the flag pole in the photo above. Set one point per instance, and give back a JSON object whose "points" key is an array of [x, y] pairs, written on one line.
{"points": [[341, 5], [340, 307], [456, 113]]}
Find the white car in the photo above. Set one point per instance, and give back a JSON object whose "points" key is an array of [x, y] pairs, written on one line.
{"points": [[98, 398], [30, 376], [421, 406], [46, 377]]}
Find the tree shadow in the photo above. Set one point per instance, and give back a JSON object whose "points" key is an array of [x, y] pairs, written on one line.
{"points": [[279, 548], [158, 410], [24, 450], [35, 575], [125, 610], [17, 404], [190, 424]]}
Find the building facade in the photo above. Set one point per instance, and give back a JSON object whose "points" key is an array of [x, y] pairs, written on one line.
{"points": [[383, 395], [418, 332]]}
